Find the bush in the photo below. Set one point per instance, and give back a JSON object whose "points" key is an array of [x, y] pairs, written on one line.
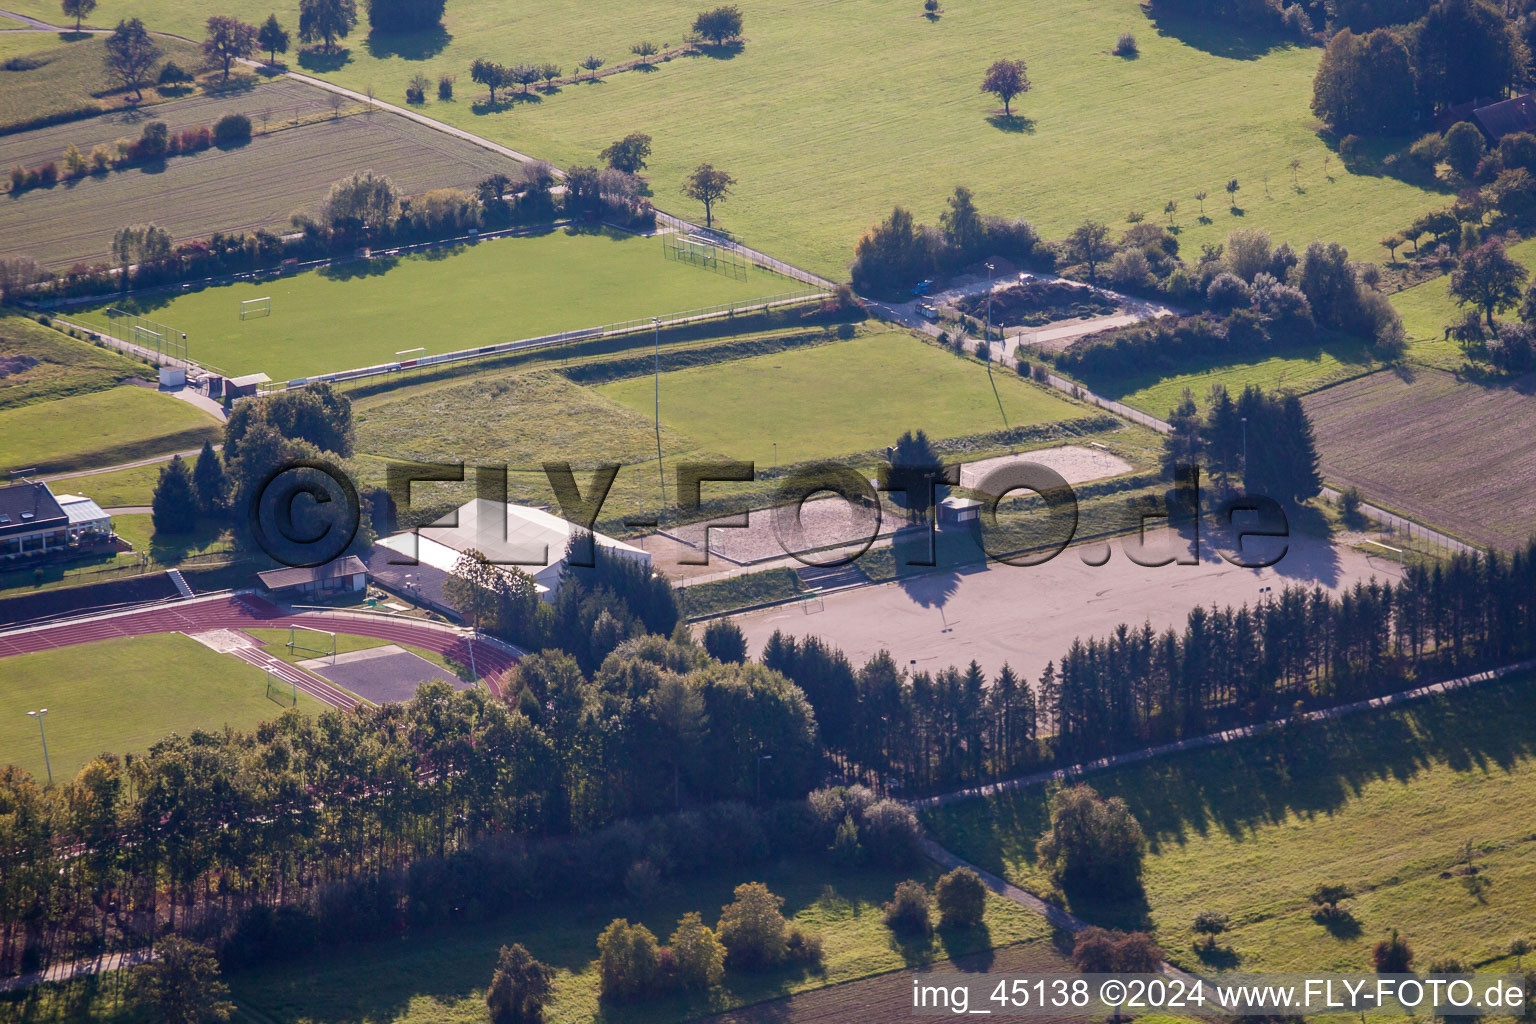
{"points": [[1349, 148], [892, 834], [627, 961], [1428, 151], [1093, 844], [445, 87], [962, 899], [1349, 505], [698, 958], [173, 74], [232, 129], [1103, 951], [47, 174], [1125, 46], [752, 928], [1392, 955], [519, 988], [1228, 292], [910, 911], [802, 948]]}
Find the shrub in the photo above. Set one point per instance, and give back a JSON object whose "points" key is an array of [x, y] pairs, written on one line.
{"points": [[519, 988], [1103, 951], [1228, 292], [154, 142], [18, 178], [101, 159], [627, 960], [195, 140], [1093, 843], [752, 928], [892, 834], [445, 87], [47, 174], [1125, 46], [845, 842], [173, 74], [1392, 955], [1428, 150], [1349, 148], [931, 6], [698, 958], [910, 910], [962, 899], [232, 129], [802, 948]]}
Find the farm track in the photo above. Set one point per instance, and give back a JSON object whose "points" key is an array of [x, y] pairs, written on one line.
{"points": [[246, 612]]}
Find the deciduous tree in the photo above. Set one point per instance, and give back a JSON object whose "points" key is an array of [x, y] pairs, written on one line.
{"points": [[720, 25], [272, 38], [228, 40], [182, 984], [78, 9], [629, 153], [1488, 279], [709, 186], [519, 988], [327, 20], [1006, 79], [130, 53]]}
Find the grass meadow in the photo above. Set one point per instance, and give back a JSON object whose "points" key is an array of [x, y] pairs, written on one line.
{"points": [[1384, 802], [116, 488], [823, 143], [838, 399], [68, 74], [155, 686], [1299, 370], [440, 978], [63, 366], [1427, 309], [357, 314], [102, 428]]}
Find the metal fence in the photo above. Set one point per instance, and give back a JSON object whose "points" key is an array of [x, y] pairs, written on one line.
{"points": [[724, 309]]}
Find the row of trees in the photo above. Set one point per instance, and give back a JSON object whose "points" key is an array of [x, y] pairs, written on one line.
{"points": [[1458, 50], [897, 253], [1486, 281]]}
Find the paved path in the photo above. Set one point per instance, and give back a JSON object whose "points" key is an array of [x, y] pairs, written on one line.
{"points": [[130, 510], [155, 461], [245, 612], [76, 969]]}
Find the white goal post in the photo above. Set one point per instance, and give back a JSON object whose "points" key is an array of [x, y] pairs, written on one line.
{"points": [[148, 338], [256, 307]]}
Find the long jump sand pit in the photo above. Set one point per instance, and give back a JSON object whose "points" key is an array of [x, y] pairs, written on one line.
{"points": [[381, 674], [831, 522]]}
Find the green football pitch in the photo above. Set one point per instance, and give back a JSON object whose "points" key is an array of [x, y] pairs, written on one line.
{"points": [[124, 695], [503, 289]]}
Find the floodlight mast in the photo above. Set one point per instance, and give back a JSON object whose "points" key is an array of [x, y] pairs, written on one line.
{"points": [[40, 714]]}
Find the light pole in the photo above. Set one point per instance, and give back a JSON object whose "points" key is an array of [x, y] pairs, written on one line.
{"points": [[775, 456], [1245, 452], [656, 377], [989, 314], [40, 714], [760, 759]]}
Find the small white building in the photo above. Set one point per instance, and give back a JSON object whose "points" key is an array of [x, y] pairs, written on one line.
{"points": [[529, 539], [88, 522]]}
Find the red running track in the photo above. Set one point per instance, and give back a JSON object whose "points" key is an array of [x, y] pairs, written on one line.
{"points": [[245, 611]]}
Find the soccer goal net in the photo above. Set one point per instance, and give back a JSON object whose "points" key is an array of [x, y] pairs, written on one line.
{"points": [[280, 692], [148, 338], [250, 308]]}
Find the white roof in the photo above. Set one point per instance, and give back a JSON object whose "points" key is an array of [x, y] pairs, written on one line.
{"points": [[80, 509], [249, 379], [533, 540]]}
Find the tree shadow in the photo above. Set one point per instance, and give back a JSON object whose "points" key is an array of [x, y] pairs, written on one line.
{"points": [[1015, 124], [960, 945], [916, 948], [419, 45], [1221, 958], [232, 86], [1217, 37], [1237, 211], [1341, 924], [354, 269], [488, 106], [167, 549], [319, 60], [721, 51]]}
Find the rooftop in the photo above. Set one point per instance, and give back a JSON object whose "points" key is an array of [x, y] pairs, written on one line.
{"points": [[1508, 117], [281, 579], [29, 506]]}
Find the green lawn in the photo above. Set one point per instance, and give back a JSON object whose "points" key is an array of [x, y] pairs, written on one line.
{"points": [[104, 428], [139, 530], [1382, 802], [499, 290], [838, 399], [1428, 308], [440, 978], [123, 695], [56, 366], [1299, 371], [68, 75], [115, 488], [831, 113]]}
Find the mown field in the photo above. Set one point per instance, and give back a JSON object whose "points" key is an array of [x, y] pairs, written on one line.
{"points": [[1384, 803], [40, 364], [103, 428], [269, 104], [838, 399], [1427, 309], [440, 978], [503, 289], [1298, 369], [116, 488], [1458, 455], [65, 74], [258, 185], [122, 696], [832, 112]]}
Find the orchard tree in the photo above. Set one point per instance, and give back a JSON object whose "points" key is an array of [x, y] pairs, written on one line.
{"points": [[327, 20], [130, 55], [629, 153], [1006, 79], [272, 38], [550, 73], [78, 9], [591, 62], [719, 26], [1089, 243], [1488, 279], [490, 74], [645, 50], [229, 39], [708, 186]]}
